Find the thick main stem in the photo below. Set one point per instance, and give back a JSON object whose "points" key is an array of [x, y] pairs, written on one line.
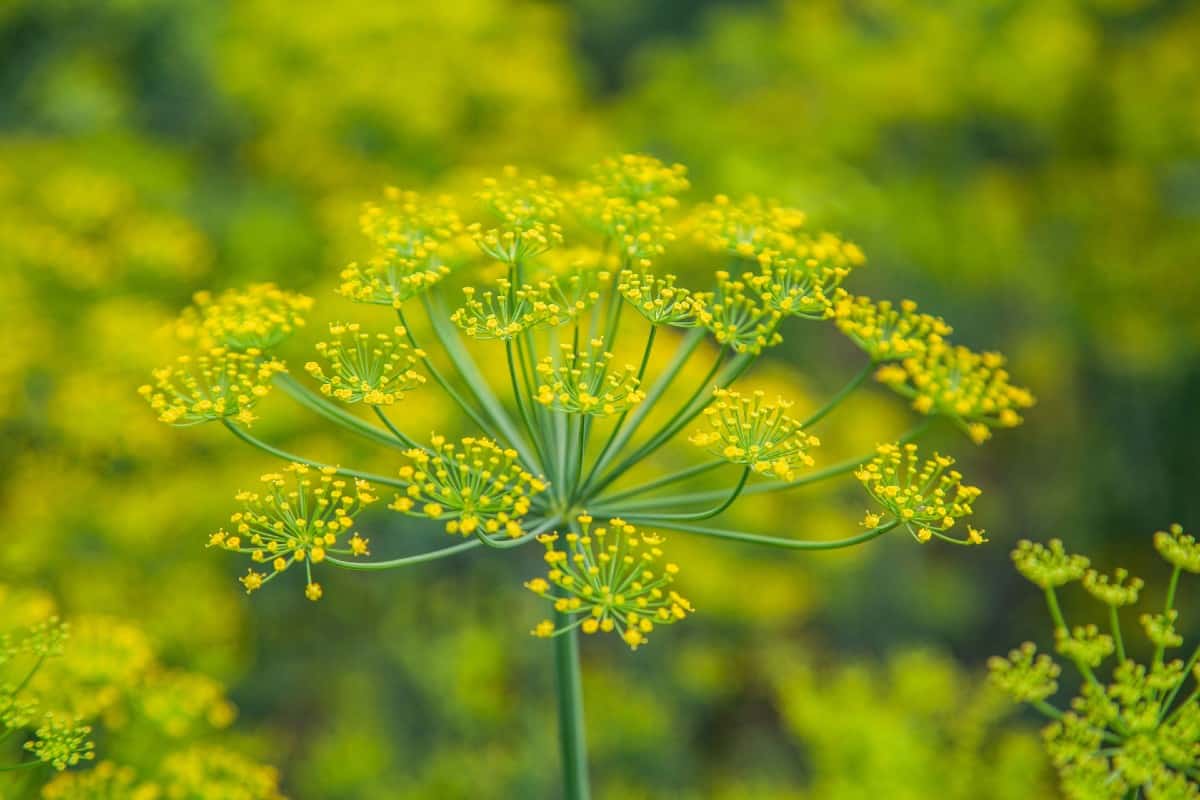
{"points": [[571, 736]]}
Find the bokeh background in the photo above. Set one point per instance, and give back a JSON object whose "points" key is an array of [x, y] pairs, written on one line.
{"points": [[1029, 169]]}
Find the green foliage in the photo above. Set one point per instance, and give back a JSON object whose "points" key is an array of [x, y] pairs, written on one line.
{"points": [[914, 727]]}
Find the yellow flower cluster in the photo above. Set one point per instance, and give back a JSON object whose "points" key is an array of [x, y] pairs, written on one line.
{"points": [[1160, 629], [106, 781], [509, 310], [609, 580], [214, 384], [658, 299], [754, 229], [1026, 676], [736, 318], [477, 486], [42, 640], [927, 497], [585, 383], [970, 388], [885, 331], [1048, 565], [207, 772], [61, 742], [1135, 733], [528, 210], [298, 518], [798, 273], [376, 369], [633, 231], [177, 701], [756, 434], [256, 318], [1116, 591], [626, 202], [1084, 644], [102, 651], [803, 280], [636, 177], [641, 239], [54, 688], [1178, 548], [409, 234]]}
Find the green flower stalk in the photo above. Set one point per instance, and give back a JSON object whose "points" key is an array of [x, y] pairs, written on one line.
{"points": [[567, 438], [1135, 732]]}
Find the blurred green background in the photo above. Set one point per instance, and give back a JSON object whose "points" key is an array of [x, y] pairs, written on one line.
{"points": [[1029, 170]]}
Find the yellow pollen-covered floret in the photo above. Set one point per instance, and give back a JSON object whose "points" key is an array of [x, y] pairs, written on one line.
{"points": [[507, 310], [409, 235], [527, 212], [756, 433], [478, 485], [608, 578], [886, 331], [928, 497], [299, 517], [218, 383], [359, 367], [586, 382], [658, 299], [258, 317], [738, 318], [970, 388]]}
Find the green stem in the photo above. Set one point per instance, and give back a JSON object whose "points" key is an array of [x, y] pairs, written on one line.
{"points": [[1166, 706], [840, 468], [603, 457], [508, 544], [448, 337], [1053, 713], [292, 457], [690, 410], [420, 558], [836, 400], [774, 541], [585, 428], [519, 398], [1160, 650], [399, 434], [1047, 709], [1115, 622], [689, 345], [29, 676], [23, 765], [1171, 588], [614, 317], [666, 480], [331, 411], [467, 408], [1171, 717], [698, 515], [694, 405], [641, 373], [1060, 623], [570, 712]]}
